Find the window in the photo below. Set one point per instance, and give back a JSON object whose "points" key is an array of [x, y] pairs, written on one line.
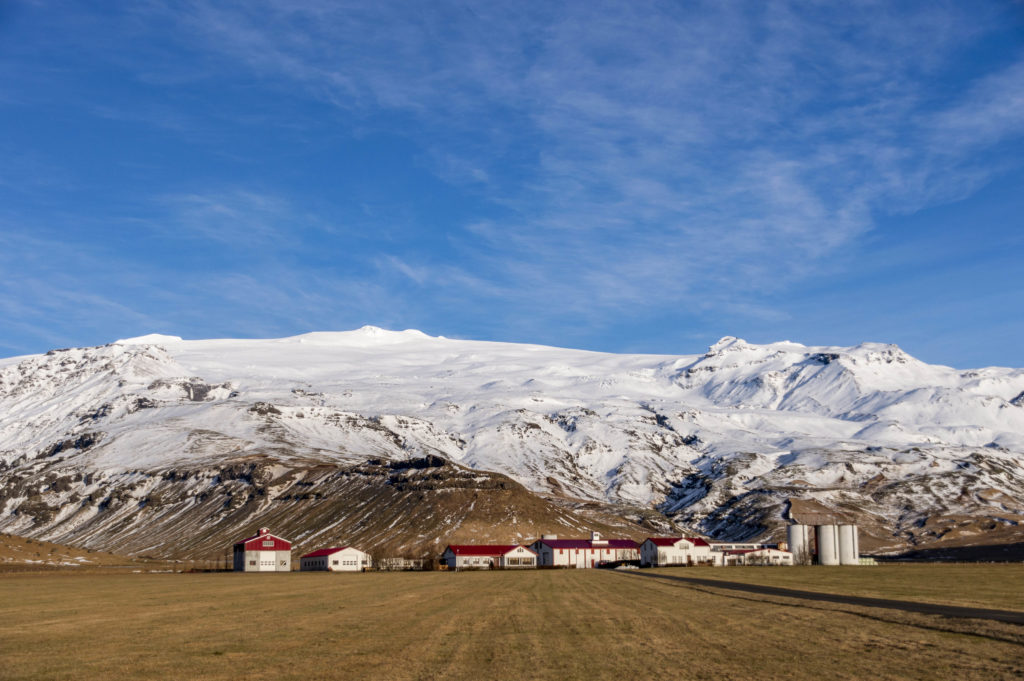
{"points": [[252, 562], [335, 561], [268, 542]]}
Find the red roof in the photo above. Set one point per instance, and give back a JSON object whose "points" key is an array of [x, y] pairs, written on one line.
{"points": [[483, 549], [663, 541], [324, 552], [588, 544], [263, 535], [671, 541]]}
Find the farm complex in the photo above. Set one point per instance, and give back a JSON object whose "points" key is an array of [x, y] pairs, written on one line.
{"points": [[833, 545]]}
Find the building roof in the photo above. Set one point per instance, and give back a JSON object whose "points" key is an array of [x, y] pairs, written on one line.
{"points": [[671, 541], [325, 552], [484, 549], [589, 544], [264, 533]]}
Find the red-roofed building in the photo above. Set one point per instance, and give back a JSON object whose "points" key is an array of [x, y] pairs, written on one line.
{"points": [[487, 556], [662, 551], [263, 552], [337, 559], [583, 553]]}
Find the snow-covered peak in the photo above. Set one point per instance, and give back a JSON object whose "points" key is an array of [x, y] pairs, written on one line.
{"points": [[726, 343], [880, 353], [149, 339], [366, 336]]}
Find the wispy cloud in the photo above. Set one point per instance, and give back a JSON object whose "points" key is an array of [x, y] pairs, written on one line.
{"points": [[693, 151], [71, 291], [238, 217], [629, 157]]}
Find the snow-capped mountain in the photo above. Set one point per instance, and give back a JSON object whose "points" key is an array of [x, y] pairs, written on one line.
{"points": [[96, 441]]}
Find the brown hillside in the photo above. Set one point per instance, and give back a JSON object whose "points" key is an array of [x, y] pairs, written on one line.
{"points": [[21, 552], [389, 508]]}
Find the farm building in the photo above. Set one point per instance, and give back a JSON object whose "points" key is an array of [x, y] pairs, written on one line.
{"points": [[761, 556], [402, 564], [338, 559], [482, 556], [263, 552], [662, 551], [741, 546], [583, 553]]}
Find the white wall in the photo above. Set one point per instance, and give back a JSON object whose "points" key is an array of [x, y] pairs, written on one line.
{"points": [[347, 560], [267, 561], [682, 553], [521, 557]]}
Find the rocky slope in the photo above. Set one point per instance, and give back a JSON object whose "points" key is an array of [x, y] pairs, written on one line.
{"points": [[169, 447]]}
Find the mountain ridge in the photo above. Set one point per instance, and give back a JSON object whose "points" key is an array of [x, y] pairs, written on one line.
{"points": [[718, 442]]}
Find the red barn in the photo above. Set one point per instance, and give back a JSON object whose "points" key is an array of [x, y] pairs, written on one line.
{"points": [[263, 552]]}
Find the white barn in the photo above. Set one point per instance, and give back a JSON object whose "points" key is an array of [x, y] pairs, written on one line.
{"points": [[263, 552], [662, 551], [338, 559]]}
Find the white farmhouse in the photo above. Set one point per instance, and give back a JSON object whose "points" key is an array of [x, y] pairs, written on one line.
{"points": [[662, 551], [338, 559], [487, 556], [583, 553]]}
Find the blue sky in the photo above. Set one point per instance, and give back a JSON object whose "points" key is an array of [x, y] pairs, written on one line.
{"points": [[630, 177]]}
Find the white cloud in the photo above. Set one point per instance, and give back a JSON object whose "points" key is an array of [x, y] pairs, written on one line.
{"points": [[638, 155]]}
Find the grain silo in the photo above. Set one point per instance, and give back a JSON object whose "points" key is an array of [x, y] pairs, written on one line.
{"points": [[849, 546], [799, 539], [827, 540]]}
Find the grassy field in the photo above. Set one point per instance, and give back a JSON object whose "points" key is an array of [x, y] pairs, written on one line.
{"points": [[586, 624], [981, 585]]}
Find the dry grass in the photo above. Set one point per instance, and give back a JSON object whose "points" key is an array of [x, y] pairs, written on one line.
{"points": [[21, 553], [527, 625], [981, 585]]}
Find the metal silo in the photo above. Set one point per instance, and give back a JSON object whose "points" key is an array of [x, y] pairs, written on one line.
{"points": [[828, 544], [799, 539], [849, 553]]}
